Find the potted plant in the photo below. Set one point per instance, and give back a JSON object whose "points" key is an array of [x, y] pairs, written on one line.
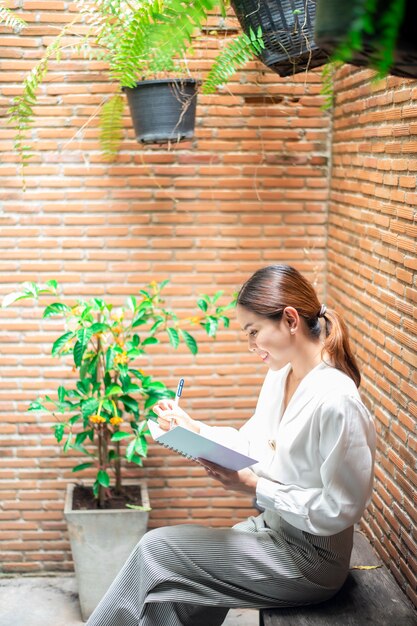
{"points": [[163, 110], [102, 414], [140, 43], [287, 31], [379, 34]]}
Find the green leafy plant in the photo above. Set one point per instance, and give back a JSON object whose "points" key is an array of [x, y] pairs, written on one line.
{"points": [[137, 40], [372, 28], [236, 54], [370, 21], [103, 413], [327, 83], [10, 19]]}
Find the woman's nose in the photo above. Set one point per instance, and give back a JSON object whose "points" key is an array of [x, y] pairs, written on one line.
{"points": [[251, 344]]}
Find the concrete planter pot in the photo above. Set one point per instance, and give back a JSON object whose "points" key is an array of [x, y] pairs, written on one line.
{"points": [[101, 541]]}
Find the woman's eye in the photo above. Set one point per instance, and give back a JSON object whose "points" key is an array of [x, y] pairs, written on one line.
{"points": [[252, 333]]}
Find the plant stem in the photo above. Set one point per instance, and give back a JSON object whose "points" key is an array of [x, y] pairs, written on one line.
{"points": [[101, 456], [117, 460], [118, 468]]}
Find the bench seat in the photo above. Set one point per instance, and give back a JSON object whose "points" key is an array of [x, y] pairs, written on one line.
{"points": [[368, 598]]}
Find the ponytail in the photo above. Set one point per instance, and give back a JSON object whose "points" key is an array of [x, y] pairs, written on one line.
{"points": [[337, 346], [271, 289]]}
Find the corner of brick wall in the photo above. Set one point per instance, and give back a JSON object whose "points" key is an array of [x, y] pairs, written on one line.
{"points": [[371, 278]]}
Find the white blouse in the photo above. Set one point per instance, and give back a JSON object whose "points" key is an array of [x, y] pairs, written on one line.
{"points": [[316, 458]]}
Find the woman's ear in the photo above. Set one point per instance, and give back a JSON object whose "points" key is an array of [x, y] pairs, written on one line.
{"points": [[291, 318]]}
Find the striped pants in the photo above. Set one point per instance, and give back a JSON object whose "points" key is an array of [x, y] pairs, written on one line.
{"points": [[187, 575]]}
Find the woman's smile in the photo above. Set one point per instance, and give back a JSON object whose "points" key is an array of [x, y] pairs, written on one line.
{"points": [[267, 338]]}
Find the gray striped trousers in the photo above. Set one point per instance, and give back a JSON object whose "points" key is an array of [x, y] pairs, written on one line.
{"points": [[187, 575]]}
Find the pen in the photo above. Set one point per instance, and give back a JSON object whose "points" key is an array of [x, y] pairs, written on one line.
{"points": [[177, 399], [179, 391]]}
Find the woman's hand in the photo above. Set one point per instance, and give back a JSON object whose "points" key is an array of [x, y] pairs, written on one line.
{"points": [[169, 415], [244, 480]]}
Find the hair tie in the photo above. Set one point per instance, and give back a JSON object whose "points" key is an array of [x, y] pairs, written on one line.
{"points": [[322, 311]]}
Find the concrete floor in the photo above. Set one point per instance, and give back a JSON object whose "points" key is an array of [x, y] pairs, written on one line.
{"points": [[53, 601]]}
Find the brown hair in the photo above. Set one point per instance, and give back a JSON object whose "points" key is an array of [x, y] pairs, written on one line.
{"points": [[271, 289]]}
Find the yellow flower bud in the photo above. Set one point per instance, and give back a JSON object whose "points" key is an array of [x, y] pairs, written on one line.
{"points": [[97, 419], [121, 359]]}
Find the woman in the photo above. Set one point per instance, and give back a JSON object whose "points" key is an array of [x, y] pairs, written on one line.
{"points": [[316, 443]]}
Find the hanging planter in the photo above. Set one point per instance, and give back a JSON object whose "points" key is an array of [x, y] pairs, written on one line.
{"points": [[287, 31], [379, 35], [163, 110]]}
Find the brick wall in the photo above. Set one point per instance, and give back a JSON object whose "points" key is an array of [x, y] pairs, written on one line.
{"points": [[250, 189], [371, 278]]}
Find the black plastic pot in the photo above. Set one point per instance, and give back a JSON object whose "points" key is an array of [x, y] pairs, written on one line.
{"points": [[334, 19], [163, 110], [287, 30]]}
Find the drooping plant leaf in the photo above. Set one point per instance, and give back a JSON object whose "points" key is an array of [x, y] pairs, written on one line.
{"points": [[103, 478], [78, 353], [55, 309], [236, 54], [89, 406], [111, 127], [21, 112], [11, 20], [82, 466], [61, 342], [119, 435], [189, 341], [174, 338]]}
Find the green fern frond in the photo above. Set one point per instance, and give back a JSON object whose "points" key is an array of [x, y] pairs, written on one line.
{"points": [[130, 58], [234, 56], [374, 23], [363, 23], [156, 34], [111, 127], [327, 84], [172, 33], [21, 111], [11, 20], [389, 27]]}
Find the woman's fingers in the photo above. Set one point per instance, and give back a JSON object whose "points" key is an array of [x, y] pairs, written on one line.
{"points": [[169, 411], [166, 423], [163, 405]]}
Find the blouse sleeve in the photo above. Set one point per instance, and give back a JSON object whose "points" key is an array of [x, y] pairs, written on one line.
{"points": [[346, 449]]}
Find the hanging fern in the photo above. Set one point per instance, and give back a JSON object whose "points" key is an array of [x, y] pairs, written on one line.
{"points": [[21, 112], [171, 35], [327, 83], [369, 22], [11, 20], [129, 57], [389, 26], [137, 39], [363, 24], [111, 128], [155, 35], [235, 55]]}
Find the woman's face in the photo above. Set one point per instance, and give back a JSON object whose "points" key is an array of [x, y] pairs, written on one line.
{"points": [[272, 341]]}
